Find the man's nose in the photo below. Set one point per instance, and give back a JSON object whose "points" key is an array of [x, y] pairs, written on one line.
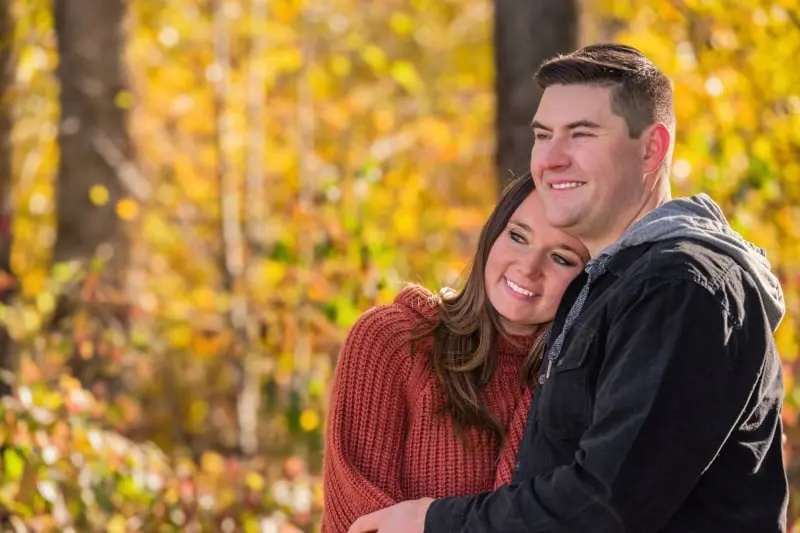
{"points": [[549, 155]]}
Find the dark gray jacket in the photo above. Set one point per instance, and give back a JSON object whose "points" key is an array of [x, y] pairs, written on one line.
{"points": [[661, 411]]}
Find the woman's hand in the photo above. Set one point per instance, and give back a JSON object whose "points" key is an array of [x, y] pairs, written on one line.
{"points": [[403, 517]]}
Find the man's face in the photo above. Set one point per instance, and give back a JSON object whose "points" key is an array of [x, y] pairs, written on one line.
{"points": [[588, 170]]}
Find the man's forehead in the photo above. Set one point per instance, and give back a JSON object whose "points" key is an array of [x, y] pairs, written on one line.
{"points": [[564, 104]]}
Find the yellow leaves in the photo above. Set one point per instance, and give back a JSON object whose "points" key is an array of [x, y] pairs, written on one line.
{"points": [[438, 134], [179, 336], [117, 524], [86, 349], [204, 298], [341, 65], [309, 420], [286, 60], [45, 302], [98, 194], [406, 75], [762, 148], [209, 345], [384, 120], [198, 411], [33, 281], [786, 341], [13, 464], [32, 59], [287, 11], [319, 80], [402, 24], [28, 321], [124, 100], [127, 209], [254, 481], [375, 58], [405, 223], [367, 156], [272, 272], [285, 366], [212, 463]]}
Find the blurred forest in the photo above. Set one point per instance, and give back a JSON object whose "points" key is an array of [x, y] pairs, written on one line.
{"points": [[198, 198]]}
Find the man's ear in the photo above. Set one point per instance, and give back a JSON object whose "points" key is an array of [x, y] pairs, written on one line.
{"points": [[658, 142]]}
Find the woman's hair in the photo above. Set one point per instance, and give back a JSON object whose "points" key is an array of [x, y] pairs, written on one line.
{"points": [[465, 336]]}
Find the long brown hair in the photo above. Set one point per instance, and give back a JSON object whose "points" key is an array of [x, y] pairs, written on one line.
{"points": [[469, 326]]}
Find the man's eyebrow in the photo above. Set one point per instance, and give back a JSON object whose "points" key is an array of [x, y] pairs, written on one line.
{"points": [[582, 124], [571, 126], [536, 125]]}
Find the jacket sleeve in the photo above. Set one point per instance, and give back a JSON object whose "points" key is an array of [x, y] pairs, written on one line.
{"points": [[676, 377], [366, 422]]}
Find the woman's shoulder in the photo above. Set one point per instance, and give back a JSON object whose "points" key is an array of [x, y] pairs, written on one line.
{"points": [[420, 303], [412, 308], [384, 330]]}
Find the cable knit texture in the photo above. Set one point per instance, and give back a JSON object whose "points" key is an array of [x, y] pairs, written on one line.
{"points": [[385, 442]]}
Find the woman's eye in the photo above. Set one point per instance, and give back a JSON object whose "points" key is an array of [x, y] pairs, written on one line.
{"points": [[516, 237], [563, 261]]}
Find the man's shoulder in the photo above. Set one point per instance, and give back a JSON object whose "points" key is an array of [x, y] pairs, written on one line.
{"points": [[686, 265], [682, 259]]}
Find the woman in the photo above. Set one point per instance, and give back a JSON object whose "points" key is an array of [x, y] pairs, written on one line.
{"points": [[431, 392]]}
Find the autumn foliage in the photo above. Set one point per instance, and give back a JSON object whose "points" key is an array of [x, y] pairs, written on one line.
{"points": [[356, 141]]}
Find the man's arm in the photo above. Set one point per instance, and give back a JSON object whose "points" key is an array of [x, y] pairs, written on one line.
{"points": [[676, 377]]}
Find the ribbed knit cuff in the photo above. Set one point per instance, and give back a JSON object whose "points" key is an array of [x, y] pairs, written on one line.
{"points": [[446, 515]]}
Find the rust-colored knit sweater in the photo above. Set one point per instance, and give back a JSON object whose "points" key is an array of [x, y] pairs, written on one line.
{"points": [[385, 442]]}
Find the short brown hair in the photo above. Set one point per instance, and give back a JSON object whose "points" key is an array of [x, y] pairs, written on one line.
{"points": [[641, 93]]}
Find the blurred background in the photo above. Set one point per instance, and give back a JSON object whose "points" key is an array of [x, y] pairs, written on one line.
{"points": [[199, 197]]}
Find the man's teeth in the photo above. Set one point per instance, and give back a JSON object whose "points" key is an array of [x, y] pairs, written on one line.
{"points": [[567, 185], [519, 290]]}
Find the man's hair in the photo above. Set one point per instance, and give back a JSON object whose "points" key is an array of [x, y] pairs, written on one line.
{"points": [[640, 92]]}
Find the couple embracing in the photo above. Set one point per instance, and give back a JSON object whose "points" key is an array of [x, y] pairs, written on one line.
{"points": [[607, 366]]}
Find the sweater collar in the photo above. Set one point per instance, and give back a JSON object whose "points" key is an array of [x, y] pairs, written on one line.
{"points": [[518, 345]]}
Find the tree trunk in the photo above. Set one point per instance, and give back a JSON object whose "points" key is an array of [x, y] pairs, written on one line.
{"points": [[526, 33], [233, 245], [96, 150], [248, 404], [95, 172], [8, 283]]}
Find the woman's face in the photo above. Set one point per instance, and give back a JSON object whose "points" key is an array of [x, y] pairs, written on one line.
{"points": [[529, 267]]}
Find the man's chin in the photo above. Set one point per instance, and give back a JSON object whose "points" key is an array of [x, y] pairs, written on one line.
{"points": [[564, 221]]}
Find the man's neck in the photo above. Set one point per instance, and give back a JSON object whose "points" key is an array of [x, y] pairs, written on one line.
{"points": [[659, 196]]}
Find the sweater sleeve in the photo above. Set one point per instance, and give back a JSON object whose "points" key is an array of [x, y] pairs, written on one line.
{"points": [[366, 423], [516, 428]]}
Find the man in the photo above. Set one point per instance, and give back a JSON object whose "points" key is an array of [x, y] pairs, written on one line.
{"points": [[659, 401]]}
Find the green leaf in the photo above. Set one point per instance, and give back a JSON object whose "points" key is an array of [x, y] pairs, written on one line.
{"points": [[13, 464]]}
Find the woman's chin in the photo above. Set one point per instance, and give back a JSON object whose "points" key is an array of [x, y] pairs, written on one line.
{"points": [[521, 327]]}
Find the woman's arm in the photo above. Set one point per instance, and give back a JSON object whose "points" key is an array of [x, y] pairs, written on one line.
{"points": [[366, 425]]}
